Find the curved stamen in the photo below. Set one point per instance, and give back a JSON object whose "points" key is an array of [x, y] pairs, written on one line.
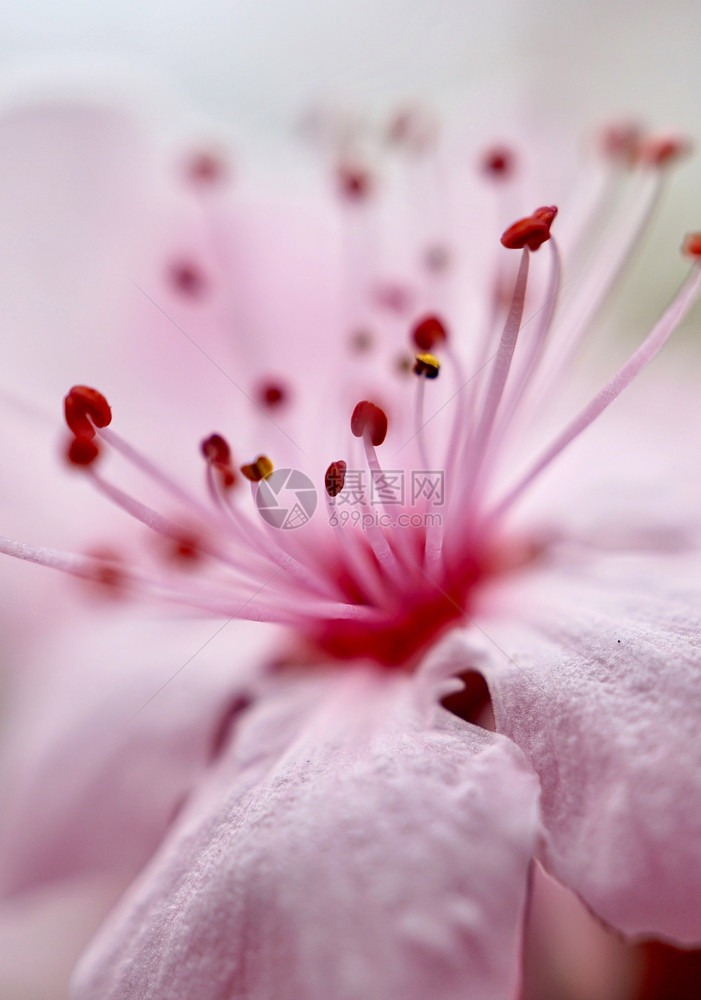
{"points": [[500, 368], [651, 346]]}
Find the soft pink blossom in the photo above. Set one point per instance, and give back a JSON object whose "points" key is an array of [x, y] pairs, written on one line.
{"points": [[343, 833]]}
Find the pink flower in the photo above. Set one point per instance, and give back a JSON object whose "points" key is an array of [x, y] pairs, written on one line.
{"points": [[364, 830]]}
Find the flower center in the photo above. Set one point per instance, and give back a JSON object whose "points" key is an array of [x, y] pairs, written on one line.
{"points": [[402, 544]]}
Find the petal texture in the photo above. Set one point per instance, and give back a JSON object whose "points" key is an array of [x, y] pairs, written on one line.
{"points": [[599, 686], [354, 845], [114, 725]]}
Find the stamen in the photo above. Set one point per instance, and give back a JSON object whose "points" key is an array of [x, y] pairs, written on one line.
{"points": [[537, 339], [261, 468], [216, 450], [498, 163], [691, 247], [426, 365], [662, 151], [188, 278], [272, 394], [429, 332], [354, 182], [86, 567], [335, 478], [530, 232], [609, 261], [650, 347], [500, 368], [82, 451], [85, 409], [621, 142], [369, 422], [357, 558], [206, 168]]}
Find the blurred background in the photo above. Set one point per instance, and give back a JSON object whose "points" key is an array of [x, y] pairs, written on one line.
{"points": [[246, 72], [261, 61]]}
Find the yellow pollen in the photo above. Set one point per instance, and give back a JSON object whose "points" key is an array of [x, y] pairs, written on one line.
{"points": [[427, 365], [260, 469]]}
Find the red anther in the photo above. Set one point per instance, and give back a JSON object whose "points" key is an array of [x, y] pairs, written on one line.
{"points": [[108, 571], [691, 247], [335, 478], [660, 151], [85, 409], [429, 332], [185, 548], [206, 168], [621, 142], [187, 278], [354, 182], [216, 449], [272, 394], [82, 451], [371, 420], [498, 162], [546, 214], [530, 232]]}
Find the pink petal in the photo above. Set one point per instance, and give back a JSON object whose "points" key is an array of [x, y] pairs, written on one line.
{"points": [[42, 934], [353, 844], [106, 742], [644, 445], [593, 664]]}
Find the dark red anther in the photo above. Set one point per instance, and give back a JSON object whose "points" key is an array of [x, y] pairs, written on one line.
{"points": [[371, 420], [546, 214], [498, 162], [661, 151], [82, 451], [85, 409], [185, 548], [216, 450], [530, 232], [108, 571], [354, 182], [187, 278], [429, 332], [206, 168], [691, 247], [335, 478], [272, 394]]}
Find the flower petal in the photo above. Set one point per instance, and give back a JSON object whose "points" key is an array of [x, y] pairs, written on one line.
{"points": [[105, 744], [599, 686], [352, 846]]}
